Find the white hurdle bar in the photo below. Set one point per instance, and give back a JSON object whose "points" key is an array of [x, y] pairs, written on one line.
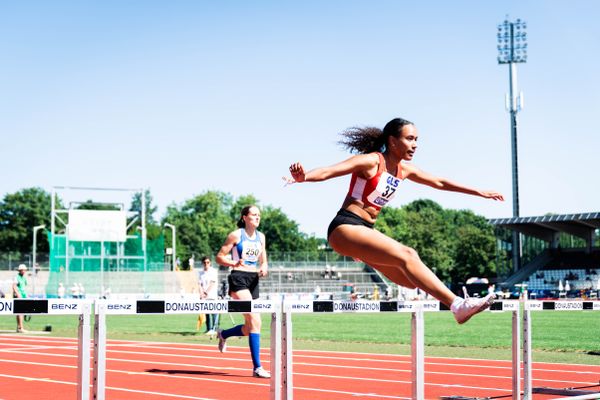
{"points": [[62, 307], [181, 306], [539, 305]]}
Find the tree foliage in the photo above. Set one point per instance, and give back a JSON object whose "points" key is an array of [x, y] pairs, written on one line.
{"points": [[136, 205], [153, 229], [19, 213], [204, 222], [455, 244]]}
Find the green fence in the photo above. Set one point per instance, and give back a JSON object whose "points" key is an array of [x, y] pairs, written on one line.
{"points": [[68, 258]]}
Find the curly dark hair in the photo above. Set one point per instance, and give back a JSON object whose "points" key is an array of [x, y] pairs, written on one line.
{"points": [[369, 139]]}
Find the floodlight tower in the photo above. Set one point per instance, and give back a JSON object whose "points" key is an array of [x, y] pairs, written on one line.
{"points": [[512, 49]]}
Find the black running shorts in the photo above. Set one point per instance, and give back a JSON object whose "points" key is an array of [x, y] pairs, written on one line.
{"points": [[345, 217], [240, 280]]}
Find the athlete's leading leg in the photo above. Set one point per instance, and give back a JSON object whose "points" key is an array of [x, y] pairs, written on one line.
{"points": [[377, 249]]}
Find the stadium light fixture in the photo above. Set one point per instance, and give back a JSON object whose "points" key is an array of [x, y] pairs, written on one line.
{"points": [[512, 42], [173, 237], [512, 50]]}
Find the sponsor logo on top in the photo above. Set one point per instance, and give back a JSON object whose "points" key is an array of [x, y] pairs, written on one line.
{"points": [[6, 307], [118, 306], [510, 305], [65, 306], [410, 306], [300, 306], [534, 305], [568, 305], [356, 306], [193, 307], [262, 306]]}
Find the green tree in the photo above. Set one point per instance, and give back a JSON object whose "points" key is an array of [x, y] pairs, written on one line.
{"points": [[281, 233], [153, 229], [454, 244], [19, 213], [136, 205], [202, 223], [474, 246]]}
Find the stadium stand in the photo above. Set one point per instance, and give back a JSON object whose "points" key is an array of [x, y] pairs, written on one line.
{"points": [[549, 264], [338, 282]]}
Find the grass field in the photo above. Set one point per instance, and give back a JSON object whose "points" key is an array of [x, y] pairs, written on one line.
{"points": [[569, 337]]}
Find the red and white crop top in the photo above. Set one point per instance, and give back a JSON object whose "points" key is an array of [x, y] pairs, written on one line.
{"points": [[378, 190]]}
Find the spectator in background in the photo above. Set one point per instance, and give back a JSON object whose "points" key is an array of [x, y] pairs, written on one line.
{"points": [[207, 284], [335, 274], [375, 295], [224, 289], [75, 291], [388, 293], [81, 291], [317, 292], [20, 292], [327, 273], [61, 291]]}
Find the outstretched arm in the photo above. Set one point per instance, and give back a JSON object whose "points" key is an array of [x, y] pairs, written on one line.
{"points": [[416, 175], [361, 162]]}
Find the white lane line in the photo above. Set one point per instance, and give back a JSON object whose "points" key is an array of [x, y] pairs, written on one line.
{"points": [[212, 379], [26, 349], [47, 380], [154, 362]]}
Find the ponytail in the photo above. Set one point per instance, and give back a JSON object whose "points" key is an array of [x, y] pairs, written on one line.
{"points": [[370, 139]]}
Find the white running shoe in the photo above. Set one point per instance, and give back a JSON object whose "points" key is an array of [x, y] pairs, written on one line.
{"points": [[464, 309], [222, 341], [260, 372]]}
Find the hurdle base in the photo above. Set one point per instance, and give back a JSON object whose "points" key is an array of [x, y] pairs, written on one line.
{"points": [[464, 398], [562, 392]]}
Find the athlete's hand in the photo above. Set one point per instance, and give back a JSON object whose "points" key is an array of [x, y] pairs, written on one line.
{"points": [[492, 195], [262, 271], [297, 172]]}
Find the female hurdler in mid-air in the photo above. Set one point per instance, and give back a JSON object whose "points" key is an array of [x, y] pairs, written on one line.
{"points": [[377, 173]]}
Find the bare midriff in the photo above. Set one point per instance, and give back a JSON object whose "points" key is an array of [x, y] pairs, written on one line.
{"points": [[368, 213]]}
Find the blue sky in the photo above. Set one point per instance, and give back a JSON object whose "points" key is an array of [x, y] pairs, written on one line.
{"points": [[186, 96]]}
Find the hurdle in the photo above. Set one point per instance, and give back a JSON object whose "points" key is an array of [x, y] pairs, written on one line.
{"points": [[417, 310], [561, 305], [514, 307], [102, 308], [62, 307]]}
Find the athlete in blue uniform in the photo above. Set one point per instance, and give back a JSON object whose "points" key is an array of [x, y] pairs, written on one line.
{"points": [[244, 251], [377, 173]]}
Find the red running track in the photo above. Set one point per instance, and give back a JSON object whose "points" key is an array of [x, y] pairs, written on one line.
{"points": [[34, 367]]}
